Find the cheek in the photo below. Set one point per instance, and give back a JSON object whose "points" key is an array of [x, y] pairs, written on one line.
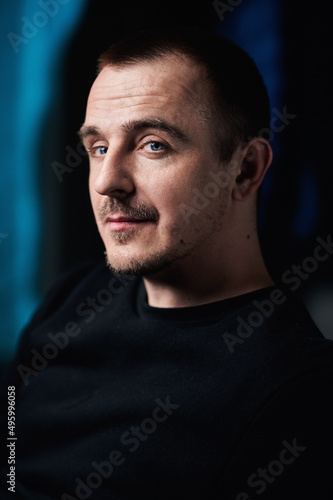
{"points": [[94, 197], [168, 192], [172, 200]]}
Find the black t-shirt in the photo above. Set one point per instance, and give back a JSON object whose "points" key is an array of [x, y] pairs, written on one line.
{"points": [[115, 399]]}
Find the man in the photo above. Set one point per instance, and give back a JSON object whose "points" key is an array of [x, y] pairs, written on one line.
{"points": [[179, 369]]}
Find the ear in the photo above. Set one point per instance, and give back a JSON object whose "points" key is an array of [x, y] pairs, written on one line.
{"points": [[257, 156]]}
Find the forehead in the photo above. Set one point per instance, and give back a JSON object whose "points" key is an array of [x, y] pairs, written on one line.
{"points": [[170, 84]]}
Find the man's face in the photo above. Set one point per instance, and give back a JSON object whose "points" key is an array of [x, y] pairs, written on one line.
{"points": [[150, 154]]}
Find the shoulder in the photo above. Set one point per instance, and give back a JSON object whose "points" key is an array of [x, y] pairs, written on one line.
{"points": [[68, 282], [273, 329]]}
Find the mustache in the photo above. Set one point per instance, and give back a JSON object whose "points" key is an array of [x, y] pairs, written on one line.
{"points": [[113, 206]]}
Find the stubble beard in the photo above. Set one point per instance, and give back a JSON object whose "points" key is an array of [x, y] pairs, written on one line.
{"points": [[153, 263], [140, 267]]}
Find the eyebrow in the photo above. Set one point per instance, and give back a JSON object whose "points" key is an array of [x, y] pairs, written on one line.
{"points": [[156, 124], [88, 130], [136, 126]]}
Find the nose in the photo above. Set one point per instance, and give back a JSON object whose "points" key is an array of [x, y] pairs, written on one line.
{"points": [[113, 175]]}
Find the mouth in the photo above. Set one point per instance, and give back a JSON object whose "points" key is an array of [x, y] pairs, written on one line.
{"points": [[123, 222]]}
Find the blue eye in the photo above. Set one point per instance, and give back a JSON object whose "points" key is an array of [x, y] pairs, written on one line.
{"points": [[100, 150], [156, 146]]}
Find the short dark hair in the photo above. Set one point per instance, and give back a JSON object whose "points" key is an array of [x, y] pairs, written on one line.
{"points": [[240, 98]]}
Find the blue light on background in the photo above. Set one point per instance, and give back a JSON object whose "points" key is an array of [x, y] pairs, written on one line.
{"points": [[256, 27], [307, 214], [34, 36]]}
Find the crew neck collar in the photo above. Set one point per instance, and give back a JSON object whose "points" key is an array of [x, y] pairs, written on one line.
{"points": [[203, 312]]}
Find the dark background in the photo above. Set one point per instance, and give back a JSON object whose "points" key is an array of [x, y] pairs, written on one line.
{"points": [[296, 205]]}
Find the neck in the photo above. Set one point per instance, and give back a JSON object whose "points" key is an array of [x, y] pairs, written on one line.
{"points": [[226, 271]]}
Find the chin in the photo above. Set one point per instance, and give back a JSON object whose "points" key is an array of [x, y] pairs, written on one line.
{"points": [[138, 267], [140, 260]]}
